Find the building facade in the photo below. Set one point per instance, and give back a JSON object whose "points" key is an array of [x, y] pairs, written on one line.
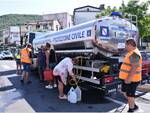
{"points": [[44, 26], [13, 34], [64, 19], [84, 14]]}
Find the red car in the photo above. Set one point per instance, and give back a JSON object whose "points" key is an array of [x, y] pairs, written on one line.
{"points": [[145, 64]]}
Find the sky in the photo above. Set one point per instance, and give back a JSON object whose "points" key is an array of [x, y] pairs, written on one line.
{"points": [[50, 6]]}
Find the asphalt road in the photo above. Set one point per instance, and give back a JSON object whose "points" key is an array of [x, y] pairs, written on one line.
{"points": [[15, 97]]}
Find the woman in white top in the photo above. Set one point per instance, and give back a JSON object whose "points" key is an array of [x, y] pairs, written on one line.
{"points": [[61, 72]]}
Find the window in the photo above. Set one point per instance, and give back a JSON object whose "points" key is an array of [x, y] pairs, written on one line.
{"points": [[37, 26], [57, 27], [45, 26], [88, 9]]}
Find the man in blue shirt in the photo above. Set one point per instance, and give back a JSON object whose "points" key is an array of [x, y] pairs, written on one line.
{"points": [[41, 62]]}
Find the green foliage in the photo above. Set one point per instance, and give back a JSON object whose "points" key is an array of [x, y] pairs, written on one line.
{"points": [[145, 27], [16, 19], [140, 10], [106, 12]]}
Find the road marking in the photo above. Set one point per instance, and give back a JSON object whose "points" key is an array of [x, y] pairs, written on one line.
{"points": [[146, 96], [6, 67], [5, 82], [13, 101], [138, 93], [115, 101], [123, 106], [118, 109], [12, 75]]}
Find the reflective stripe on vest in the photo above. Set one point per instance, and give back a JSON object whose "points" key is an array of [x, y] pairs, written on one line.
{"points": [[25, 56], [18, 56], [126, 67]]}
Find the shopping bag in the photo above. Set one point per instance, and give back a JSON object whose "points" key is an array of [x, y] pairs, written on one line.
{"points": [[48, 75]]}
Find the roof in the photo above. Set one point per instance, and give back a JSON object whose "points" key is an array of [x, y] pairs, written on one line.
{"points": [[87, 6]]}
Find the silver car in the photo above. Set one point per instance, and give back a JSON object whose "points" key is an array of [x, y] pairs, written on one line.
{"points": [[7, 55], [1, 55]]}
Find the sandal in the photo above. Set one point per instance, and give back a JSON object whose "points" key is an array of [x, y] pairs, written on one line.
{"points": [[62, 97]]}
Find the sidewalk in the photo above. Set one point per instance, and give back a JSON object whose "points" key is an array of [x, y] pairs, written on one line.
{"points": [[144, 88]]}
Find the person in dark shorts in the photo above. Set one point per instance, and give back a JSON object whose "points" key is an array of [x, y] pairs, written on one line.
{"points": [[41, 63], [18, 62], [61, 72], [130, 73], [26, 59]]}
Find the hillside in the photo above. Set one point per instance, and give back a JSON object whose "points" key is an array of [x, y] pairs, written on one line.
{"points": [[16, 19]]}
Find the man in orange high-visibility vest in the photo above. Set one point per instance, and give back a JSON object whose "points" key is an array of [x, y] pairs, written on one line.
{"points": [[130, 73], [26, 62]]}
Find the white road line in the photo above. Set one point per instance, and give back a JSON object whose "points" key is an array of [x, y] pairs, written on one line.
{"points": [[123, 106], [146, 96], [6, 67], [115, 101], [12, 75], [5, 82], [119, 109], [12, 102]]}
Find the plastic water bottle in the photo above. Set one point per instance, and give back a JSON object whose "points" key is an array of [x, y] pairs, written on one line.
{"points": [[78, 92], [72, 96]]}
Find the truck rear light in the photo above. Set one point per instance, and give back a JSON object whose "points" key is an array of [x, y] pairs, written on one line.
{"points": [[109, 79]]}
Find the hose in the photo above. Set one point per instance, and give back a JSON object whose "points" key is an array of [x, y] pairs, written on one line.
{"points": [[77, 72]]}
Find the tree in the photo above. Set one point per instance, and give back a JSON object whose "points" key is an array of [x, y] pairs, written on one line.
{"points": [[145, 23], [106, 12], [140, 10]]}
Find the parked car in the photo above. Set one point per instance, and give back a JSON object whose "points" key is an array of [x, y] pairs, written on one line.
{"points": [[148, 55], [1, 55], [7, 55]]}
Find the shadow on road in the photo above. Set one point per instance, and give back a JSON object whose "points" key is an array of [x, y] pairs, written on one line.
{"points": [[4, 73]]}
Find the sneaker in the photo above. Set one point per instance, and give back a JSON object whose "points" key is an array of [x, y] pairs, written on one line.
{"points": [[55, 86], [49, 87], [134, 109], [62, 97], [130, 110]]}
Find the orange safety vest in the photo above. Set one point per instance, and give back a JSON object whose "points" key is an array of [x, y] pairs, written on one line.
{"points": [[25, 56], [126, 67]]}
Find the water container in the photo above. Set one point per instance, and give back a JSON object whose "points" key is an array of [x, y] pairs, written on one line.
{"points": [[78, 92], [72, 96]]}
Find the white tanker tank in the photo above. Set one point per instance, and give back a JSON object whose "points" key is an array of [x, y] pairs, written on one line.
{"points": [[106, 36]]}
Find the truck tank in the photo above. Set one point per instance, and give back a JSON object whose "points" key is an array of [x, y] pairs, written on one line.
{"points": [[104, 36]]}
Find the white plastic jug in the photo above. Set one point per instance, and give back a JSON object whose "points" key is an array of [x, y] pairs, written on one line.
{"points": [[78, 92], [68, 94], [72, 96]]}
